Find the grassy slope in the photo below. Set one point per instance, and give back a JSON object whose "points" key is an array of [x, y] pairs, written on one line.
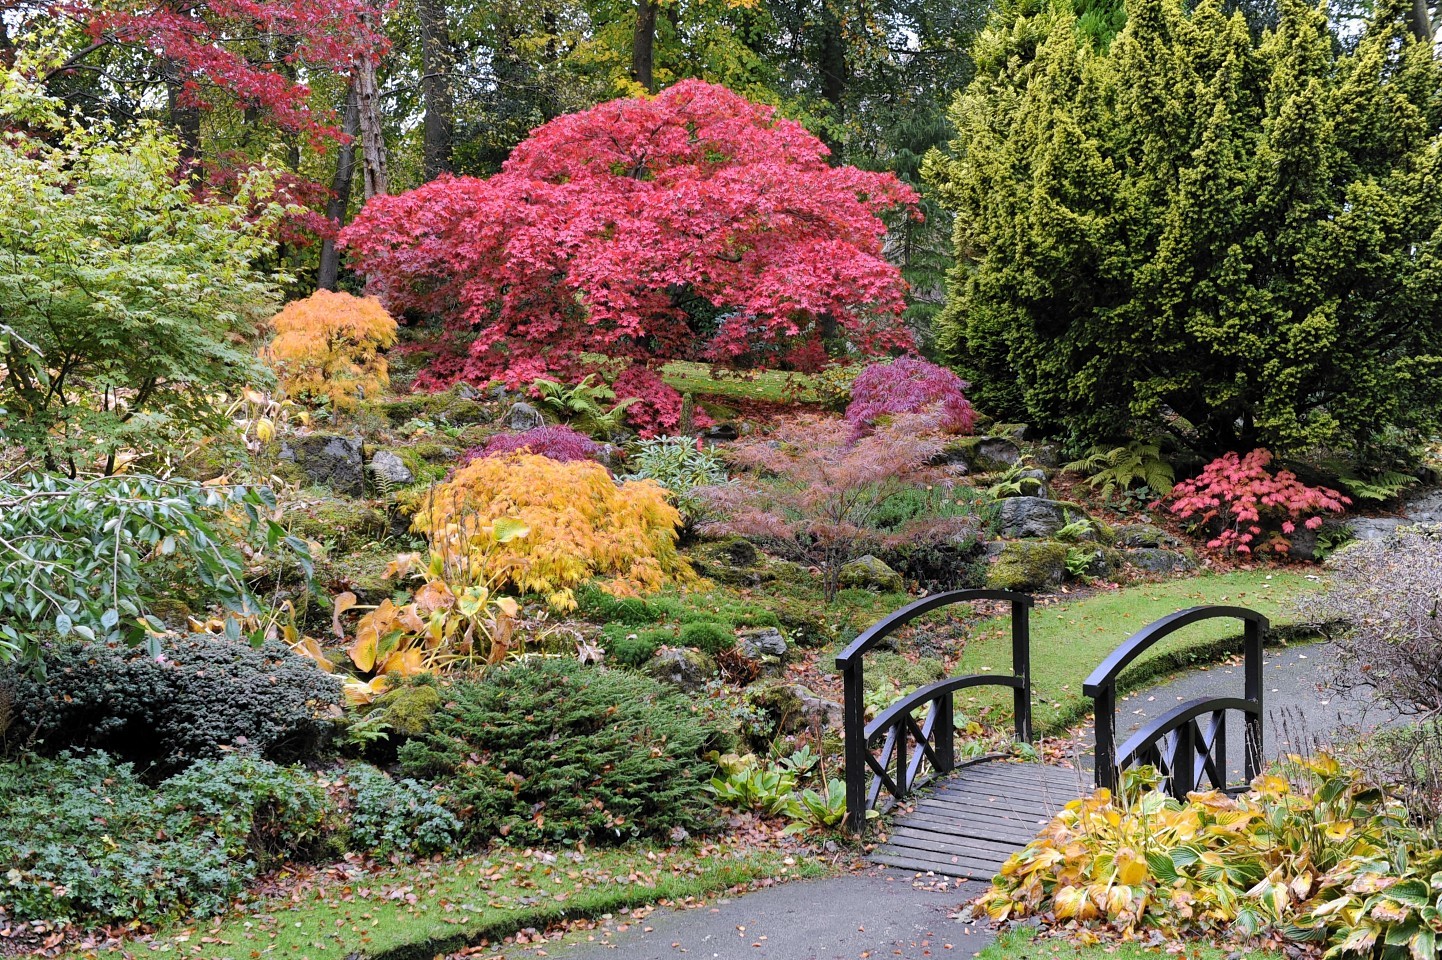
{"points": [[774, 386], [425, 910], [1021, 945], [1070, 639]]}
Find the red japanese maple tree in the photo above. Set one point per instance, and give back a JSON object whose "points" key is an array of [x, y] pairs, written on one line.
{"points": [[694, 224]]}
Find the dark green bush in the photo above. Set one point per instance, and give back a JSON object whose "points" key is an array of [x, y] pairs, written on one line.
{"points": [[553, 751], [84, 839], [708, 637], [204, 695]]}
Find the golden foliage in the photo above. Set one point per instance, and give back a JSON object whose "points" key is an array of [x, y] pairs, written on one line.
{"points": [[328, 345], [582, 525]]}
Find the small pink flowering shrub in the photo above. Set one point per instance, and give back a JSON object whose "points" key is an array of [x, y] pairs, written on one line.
{"points": [[657, 408], [1250, 509], [908, 386], [555, 442]]}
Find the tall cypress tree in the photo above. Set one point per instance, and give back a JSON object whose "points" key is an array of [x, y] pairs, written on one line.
{"points": [[1225, 233]]}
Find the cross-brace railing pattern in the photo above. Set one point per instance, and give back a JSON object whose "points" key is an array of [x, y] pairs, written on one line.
{"points": [[912, 751], [1187, 744]]}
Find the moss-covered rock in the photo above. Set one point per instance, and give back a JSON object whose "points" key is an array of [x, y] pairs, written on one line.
{"points": [[682, 668], [980, 454], [455, 406], [408, 709], [734, 561], [869, 573], [1028, 566], [341, 524]]}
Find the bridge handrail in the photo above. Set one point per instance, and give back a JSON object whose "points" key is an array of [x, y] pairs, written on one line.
{"points": [[860, 762], [1101, 686], [1141, 641]]}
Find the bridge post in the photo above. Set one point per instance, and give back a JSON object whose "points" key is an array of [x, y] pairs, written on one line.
{"points": [[1021, 668], [943, 732], [1252, 653], [1104, 707], [854, 729]]}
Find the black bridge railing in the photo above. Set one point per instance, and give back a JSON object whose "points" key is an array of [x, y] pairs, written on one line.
{"points": [[1187, 744], [912, 752]]}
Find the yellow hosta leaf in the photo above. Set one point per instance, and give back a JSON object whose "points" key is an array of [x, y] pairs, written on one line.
{"points": [[364, 650], [405, 663], [342, 603], [264, 429], [362, 692]]}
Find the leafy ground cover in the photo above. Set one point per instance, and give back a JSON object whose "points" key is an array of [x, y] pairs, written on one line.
{"points": [[775, 386], [1070, 638], [428, 909], [1023, 944]]}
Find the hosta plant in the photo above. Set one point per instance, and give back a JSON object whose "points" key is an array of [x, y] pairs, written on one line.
{"points": [[1246, 508], [443, 626], [1329, 859]]}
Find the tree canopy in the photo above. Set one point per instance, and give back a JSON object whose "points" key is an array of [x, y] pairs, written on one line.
{"points": [[1225, 235], [695, 224]]}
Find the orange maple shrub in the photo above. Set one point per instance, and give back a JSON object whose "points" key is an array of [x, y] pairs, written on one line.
{"points": [[327, 347], [581, 525]]}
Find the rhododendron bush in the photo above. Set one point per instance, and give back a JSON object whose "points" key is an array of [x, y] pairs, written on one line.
{"points": [[884, 391], [1248, 508], [692, 225]]}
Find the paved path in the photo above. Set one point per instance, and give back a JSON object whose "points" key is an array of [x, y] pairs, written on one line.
{"points": [[872, 914], [884, 913]]}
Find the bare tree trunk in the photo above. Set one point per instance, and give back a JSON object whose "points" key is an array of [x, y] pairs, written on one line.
{"points": [[340, 188], [184, 117], [372, 136], [1421, 21], [643, 45], [437, 60]]}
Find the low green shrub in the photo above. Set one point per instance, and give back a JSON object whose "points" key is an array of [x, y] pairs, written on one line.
{"points": [[397, 817], [633, 648], [554, 751], [83, 839], [598, 606], [707, 636], [204, 695]]}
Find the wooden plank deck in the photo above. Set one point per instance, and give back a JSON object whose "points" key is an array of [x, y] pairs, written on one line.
{"points": [[968, 824]]}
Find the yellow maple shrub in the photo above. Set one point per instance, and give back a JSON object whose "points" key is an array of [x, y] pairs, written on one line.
{"points": [[581, 523], [328, 345]]}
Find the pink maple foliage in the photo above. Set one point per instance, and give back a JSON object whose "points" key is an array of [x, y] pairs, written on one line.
{"points": [[908, 386], [603, 228], [553, 441], [1250, 509]]}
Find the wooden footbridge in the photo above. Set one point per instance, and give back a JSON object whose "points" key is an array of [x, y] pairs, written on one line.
{"points": [[973, 816]]}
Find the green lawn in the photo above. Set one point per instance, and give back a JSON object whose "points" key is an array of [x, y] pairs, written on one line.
{"points": [[770, 385], [1070, 639], [1023, 945], [420, 911]]}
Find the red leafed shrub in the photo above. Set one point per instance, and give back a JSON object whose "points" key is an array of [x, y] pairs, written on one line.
{"points": [[657, 410], [555, 442], [1250, 509], [628, 229], [906, 386]]}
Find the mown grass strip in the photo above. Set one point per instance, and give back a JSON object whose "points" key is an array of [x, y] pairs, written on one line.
{"points": [[420, 911], [1023, 944], [1070, 639]]}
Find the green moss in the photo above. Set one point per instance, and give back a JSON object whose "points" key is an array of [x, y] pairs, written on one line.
{"points": [[1028, 565], [598, 606], [408, 709], [634, 648], [343, 524], [444, 407], [708, 636]]}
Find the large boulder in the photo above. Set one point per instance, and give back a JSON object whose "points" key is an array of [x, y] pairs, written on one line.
{"points": [[1028, 565], [1144, 535], [795, 708], [869, 573], [391, 470], [329, 460], [1019, 517], [980, 454], [1159, 561], [522, 417], [762, 642], [1374, 528]]}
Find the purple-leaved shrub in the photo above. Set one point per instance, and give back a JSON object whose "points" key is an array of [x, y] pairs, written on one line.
{"points": [[906, 387]]}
